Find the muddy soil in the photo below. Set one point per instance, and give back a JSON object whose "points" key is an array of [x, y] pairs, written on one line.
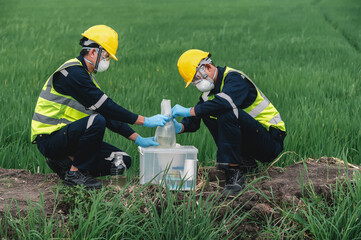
{"points": [[283, 185]]}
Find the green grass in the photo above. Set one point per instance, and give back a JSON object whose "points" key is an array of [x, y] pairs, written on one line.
{"points": [[330, 216], [105, 215], [155, 213], [303, 54]]}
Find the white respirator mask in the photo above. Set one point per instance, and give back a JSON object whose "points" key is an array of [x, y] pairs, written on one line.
{"points": [[205, 85], [202, 81], [103, 65]]}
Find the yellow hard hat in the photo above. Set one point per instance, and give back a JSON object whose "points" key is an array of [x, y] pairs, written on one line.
{"points": [[105, 37], [188, 63]]}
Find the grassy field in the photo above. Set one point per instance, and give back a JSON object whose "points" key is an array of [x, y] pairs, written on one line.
{"points": [[304, 55]]}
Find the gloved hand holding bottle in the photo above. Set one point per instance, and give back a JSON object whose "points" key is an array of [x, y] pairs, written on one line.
{"points": [[145, 142], [155, 121], [178, 127], [180, 111]]}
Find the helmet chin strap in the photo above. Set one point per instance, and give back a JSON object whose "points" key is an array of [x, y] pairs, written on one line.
{"points": [[215, 74], [98, 59], [89, 61]]}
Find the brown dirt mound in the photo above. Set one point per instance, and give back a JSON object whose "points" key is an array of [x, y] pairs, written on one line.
{"points": [[282, 185], [22, 186]]}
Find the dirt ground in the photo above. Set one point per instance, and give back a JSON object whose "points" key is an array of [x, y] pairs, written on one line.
{"points": [[280, 184]]}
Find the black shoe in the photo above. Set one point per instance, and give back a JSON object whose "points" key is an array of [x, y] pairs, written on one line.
{"points": [[59, 166], [81, 178], [234, 181]]}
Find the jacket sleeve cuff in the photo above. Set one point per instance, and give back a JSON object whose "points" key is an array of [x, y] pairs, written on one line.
{"points": [[133, 118], [198, 110], [127, 131]]}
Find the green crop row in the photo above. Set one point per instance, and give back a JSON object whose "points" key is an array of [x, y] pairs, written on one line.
{"points": [[304, 55]]}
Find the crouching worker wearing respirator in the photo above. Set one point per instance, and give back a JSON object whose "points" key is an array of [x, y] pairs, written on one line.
{"points": [[243, 122], [72, 113]]}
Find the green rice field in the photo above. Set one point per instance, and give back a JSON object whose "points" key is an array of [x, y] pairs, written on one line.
{"points": [[305, 55]]}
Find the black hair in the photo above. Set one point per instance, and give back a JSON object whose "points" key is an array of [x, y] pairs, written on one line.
{"points": [[85, 52]]}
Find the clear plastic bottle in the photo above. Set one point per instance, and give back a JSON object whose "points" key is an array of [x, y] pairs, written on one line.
{"points": [[122, 181], [173, 179], [118, 172], [165, 135]]}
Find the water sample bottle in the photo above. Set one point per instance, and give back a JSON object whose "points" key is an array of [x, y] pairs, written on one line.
{"points": [[118, 172], [173, 179], [165, 135]]}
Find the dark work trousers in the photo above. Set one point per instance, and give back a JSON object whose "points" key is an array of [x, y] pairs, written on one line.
{"points": [[242, 140], [82, 139]]}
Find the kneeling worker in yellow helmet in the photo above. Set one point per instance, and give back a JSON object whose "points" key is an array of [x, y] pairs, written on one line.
{"points": [[243, 122], [72, 113]]}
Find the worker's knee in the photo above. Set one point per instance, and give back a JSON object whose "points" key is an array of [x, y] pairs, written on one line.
{"points": [[128, 161], [96, 121]]}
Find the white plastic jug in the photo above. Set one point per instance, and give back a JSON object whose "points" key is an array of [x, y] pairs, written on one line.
{"points": [[165, 135]]}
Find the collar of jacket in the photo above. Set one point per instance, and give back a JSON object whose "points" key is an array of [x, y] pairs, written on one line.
{"points": [[217, 87], [81, 59]]}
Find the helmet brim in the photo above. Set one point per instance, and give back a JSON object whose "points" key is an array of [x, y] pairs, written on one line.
{"points": [[113, 56]]}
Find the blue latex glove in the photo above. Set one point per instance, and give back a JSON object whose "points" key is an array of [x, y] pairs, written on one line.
{"points": [[155, 121], [177, 126], [178, 110], [145, 142]]}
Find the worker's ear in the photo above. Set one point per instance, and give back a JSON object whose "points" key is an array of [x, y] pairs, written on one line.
{"points": [[91, 54]]}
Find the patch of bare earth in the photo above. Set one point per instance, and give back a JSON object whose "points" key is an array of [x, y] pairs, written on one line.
{"points": [[281, 187], [263, 197], [18, 187]]}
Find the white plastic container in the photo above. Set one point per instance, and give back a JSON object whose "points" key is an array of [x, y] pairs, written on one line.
{"points": [[180, 164]]}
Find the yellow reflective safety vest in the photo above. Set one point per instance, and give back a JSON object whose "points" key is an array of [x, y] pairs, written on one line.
{"points": [[54, 110], [261, 109]]}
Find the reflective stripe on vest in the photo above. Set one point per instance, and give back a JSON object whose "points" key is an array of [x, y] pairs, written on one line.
{"points": [[261, 109], [54, 110]]}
